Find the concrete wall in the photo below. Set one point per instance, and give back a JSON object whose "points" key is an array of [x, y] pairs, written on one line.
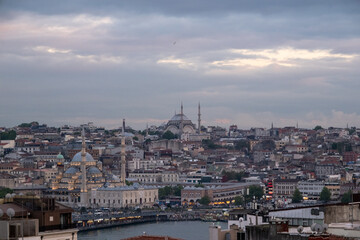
{"points": [[342, 213]]}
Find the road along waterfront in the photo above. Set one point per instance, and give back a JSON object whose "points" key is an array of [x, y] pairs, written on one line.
{"points": [[188, 230]]}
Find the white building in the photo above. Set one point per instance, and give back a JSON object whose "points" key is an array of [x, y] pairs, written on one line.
{"points": [[124, 196], [154, 177], [311, 188]]}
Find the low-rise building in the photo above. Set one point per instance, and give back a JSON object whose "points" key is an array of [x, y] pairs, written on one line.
{"points": [[125, 196], [284, 188]]}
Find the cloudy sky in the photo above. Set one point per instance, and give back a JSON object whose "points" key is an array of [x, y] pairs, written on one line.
{"points": [[249, 63]]}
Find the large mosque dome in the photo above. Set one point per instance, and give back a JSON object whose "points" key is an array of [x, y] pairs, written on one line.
{"points": [[77, 157], [174, 124]]}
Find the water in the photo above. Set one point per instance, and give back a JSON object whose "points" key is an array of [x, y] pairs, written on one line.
{"points": [[191, 230]]}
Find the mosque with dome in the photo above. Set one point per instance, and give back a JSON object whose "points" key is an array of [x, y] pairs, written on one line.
{"points": [[70, 178], [180, 124], [83, 183]]}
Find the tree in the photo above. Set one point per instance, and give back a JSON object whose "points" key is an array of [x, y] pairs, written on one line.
{"points": [[199, 185], [4, 191], [231, 175], [209, 144], [168, 135], [318, 127], [177, 190], [325, 194], [128, 183], [254, 191], [205, 200], [239, 200], [297, 196], [242, 145], [170, 191], [10, 135], [347, 197]]}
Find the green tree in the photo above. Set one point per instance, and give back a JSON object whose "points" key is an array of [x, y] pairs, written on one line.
{"points": [[209, 144], [128, 183], [239, 200], [347, 197], [325, 194], [177, 190], [4, 191], [199, 185], [242, 145], [297, 196], [205, 200], [231, 175], [10, 135], [254, 191], [318, 127], [168, 135]]}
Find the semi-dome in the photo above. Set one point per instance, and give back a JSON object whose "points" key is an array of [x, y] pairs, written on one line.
{"points": [[71, 170], [94, 170], [77, 157]]}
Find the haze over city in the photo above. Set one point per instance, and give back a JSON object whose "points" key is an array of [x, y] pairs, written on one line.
{"points": [[249, 63]]}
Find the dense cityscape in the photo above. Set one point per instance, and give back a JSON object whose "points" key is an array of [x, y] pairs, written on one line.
{"points": [[88, 177], [179, 120]]}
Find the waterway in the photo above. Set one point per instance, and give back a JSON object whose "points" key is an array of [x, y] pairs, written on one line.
{"points": [[188, 230]]}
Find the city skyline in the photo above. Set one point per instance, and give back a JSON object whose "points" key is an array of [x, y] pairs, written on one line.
{"points": [[247, 63]]}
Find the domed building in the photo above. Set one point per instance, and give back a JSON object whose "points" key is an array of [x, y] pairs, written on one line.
{"points": [[180, 124], [70, 177]]}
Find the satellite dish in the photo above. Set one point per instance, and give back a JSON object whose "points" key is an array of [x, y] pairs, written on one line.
{"points": [[1, 213], [300, 229], [10, 212], [319, 228], [326, 227], [313, 227], [241, 219]]}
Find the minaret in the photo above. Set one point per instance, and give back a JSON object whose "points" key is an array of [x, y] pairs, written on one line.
{"points": [[123, 160], [147, 130], [83, 191], [181, 120], [199, 120]]}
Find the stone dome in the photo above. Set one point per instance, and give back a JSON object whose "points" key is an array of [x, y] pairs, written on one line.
{"points": [[77, 157], [94, 170], [71, 170], [177, 117]]}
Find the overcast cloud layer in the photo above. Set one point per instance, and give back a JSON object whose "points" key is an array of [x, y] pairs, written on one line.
{"points": [[249, 63]]}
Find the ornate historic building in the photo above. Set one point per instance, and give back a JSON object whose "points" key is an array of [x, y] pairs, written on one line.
{"points": [[180, 124], [70, 177]]}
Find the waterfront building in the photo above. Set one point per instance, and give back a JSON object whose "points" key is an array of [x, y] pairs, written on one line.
{"points": [[135, 195], [154, 177], [217, 194]]}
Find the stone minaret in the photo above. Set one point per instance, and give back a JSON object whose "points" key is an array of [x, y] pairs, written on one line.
{"points": [[199, 120], [83, 191], [123, 160], [181, 120]]}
